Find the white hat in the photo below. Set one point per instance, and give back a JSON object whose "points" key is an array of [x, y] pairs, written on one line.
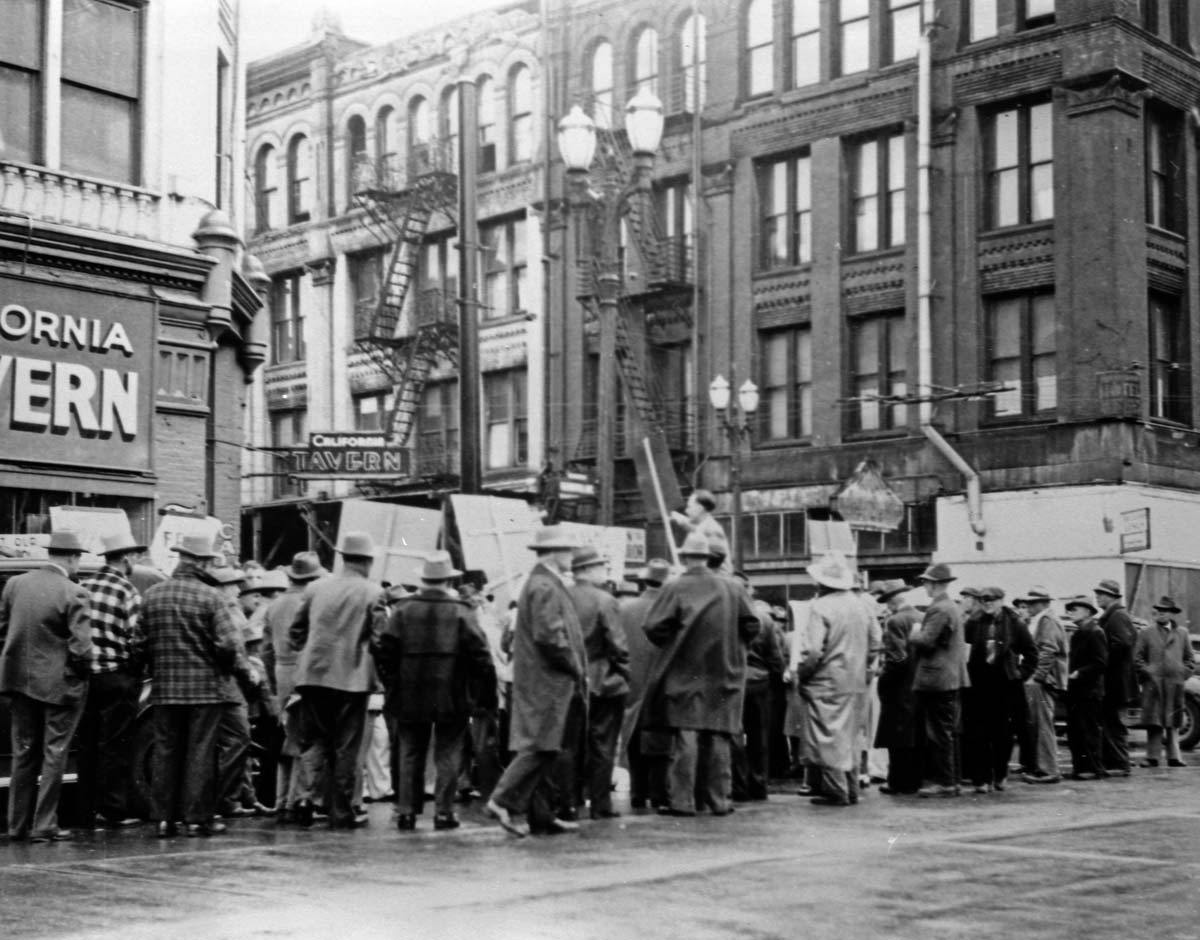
{"points": [[833, 571]]}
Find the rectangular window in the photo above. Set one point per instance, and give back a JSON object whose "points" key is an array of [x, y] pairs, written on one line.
{"points": [[1021, 347], [806, 43], [437, 430], [505, 268], [760, 48], [1035, 13], [878, 361], [21, 81], [1171, 365], [372, 412], [1019, 153], [365, 270], [1164, 170], [287, 319], [289, 430], [785, 377], [785, 212], [877, 194], [903, 29], [506, 419], [1167, 19], [674, 202], [982, 21], [853, 36]]}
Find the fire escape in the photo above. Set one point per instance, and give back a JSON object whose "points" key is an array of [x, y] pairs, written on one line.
{"points": [[405, 334]]}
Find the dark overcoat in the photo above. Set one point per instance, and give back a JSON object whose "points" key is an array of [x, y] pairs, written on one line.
{"points": [[704, 623], [549, 662], [1120, 680], [433, 659], [1087, 661], [604, 640], [45, 637], [1163, 660], [897, 701], [1014, 653], [939, 649]]}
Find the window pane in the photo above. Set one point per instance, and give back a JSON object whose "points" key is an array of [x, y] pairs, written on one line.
{"points": [[806, 60], [1041, 190], [777, 414], [896, 162], [98, 134], [1045, 325], [897, 232], [867, 169], [855, 47], [21, 37], [646, 65], [770, 534], [775, 357], [1008, 373], [853, 9], [1005, 198], [1045, 383], [1004, 140], [806, 16], [100, 46], [19, 115], [759, 23], [1041, 133], [762, 69], [1006, 329], [804, 183], [866, 224], [1036, 8], [983, 19], [804, 356], [906, 33]]}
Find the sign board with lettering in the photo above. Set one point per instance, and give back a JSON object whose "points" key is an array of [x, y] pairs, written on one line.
{"points": [[75, 375], [625, 549], [350, 455], [1135, 530], [171, 531]]}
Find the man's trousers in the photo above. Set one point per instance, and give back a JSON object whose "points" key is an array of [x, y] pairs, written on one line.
{"points": [[106, 736], [41, 736], [1116, 735], [1085, 734], [185, 762], [233, 755], [939, 713], [526, 772], [750, 758], [1043, 741], [333, 730], [713, 775], [412, 743], [603, 728]]}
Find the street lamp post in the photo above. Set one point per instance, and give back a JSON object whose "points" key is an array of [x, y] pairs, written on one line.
{"points": [[577, 146], [737, 424]]}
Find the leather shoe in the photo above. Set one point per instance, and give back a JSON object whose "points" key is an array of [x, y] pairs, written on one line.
{"points": [[165, 830], [445, 821], [558, 824], [504, 818], [304, 814], [53, 835], [1176, 762], [204, 830], [406, 822], [1041, 778]]}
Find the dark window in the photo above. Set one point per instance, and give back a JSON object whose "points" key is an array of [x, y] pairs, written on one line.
{"points": [[505, 268], [266, 189], [1171, 369], [287, 319], [693, 68], [485, 104], [1021, 353], [760, 48], [1164, 170], [678, 228], [601, 74], [420, 137], [506, 418], [670, 384], [1019, 150], [299, 173], [1034, 13], [853, 50], [365, 270], [982, 20], [356, 156], [878, 359], [903, 29], [101, 88], [437, 430], [21, 81], [1167, 19], [806, 43], [645, 62], [877, 195], [288, 430], [385, 144], [371, 412], [439, 266], [520, 115], [785, 212], [785, 379]]}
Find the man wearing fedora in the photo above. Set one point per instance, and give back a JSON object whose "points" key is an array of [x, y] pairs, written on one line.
{"points": [[45, 663], [608, 675], [435, 665], [293, 788], [549, 684], [1120, 680], [332, 631], [703, 621], [941, 673], [1163, 659], [897, 701], [1087, 658], [195, 654], [1047, 684], [106, 730], [646, 751]]}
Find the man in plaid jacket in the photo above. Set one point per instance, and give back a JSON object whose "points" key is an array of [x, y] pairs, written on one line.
{"points": [[105, 732], [195, 653]]}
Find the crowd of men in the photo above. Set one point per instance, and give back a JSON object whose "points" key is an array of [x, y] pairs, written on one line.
{"points": [[684, 675]]}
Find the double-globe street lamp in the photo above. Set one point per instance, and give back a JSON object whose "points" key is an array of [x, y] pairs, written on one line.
{"points": [[577, 146], [738, 425]]}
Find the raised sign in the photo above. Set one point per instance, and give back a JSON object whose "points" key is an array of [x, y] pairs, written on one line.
{"points": [[1135, 530], [350, 455]]}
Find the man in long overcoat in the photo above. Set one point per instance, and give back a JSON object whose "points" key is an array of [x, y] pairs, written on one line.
{"points": [[435, 665], [940, 676], [1120, 679], [648, 751], [897, 701], [549, 680], [1087, 658], [1048, 682], [1163, 659], [338, 617], [832, 678], [704, 622], [45, 661]]}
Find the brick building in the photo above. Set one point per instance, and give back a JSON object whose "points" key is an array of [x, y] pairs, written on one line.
{"points": [[353, 153], [127, 309], [1042, 428]]}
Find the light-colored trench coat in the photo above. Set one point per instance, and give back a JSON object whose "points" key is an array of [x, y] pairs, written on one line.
{"points": [[1163, 660]]}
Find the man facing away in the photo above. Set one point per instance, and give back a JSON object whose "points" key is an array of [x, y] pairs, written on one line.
{"points": [[106, 730], [1120, 682], [45, 661], [433, 660], [333, 629], [897, 701], [941, 673], [647, 751], [1047, 684], [704, 623], [608, 675], [549, 680], [195, 649]]}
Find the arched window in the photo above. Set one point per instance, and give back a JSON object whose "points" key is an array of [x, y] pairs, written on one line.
{"points": [[266, 189], [300, 181], [520, 115], [486, 109], [356, 156], [645, 61], [385, 143], [602, 84], [420, 132], [448, 126], [693, 61], [760, 48]]}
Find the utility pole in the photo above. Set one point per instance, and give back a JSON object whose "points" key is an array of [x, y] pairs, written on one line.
{"points": [[470, 458]]}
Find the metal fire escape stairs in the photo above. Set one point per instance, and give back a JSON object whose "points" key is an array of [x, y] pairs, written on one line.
{"points": [[406, 349]]}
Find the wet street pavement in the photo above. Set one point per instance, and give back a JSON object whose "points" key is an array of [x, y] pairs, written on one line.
{"points": [[1117, 858]]}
